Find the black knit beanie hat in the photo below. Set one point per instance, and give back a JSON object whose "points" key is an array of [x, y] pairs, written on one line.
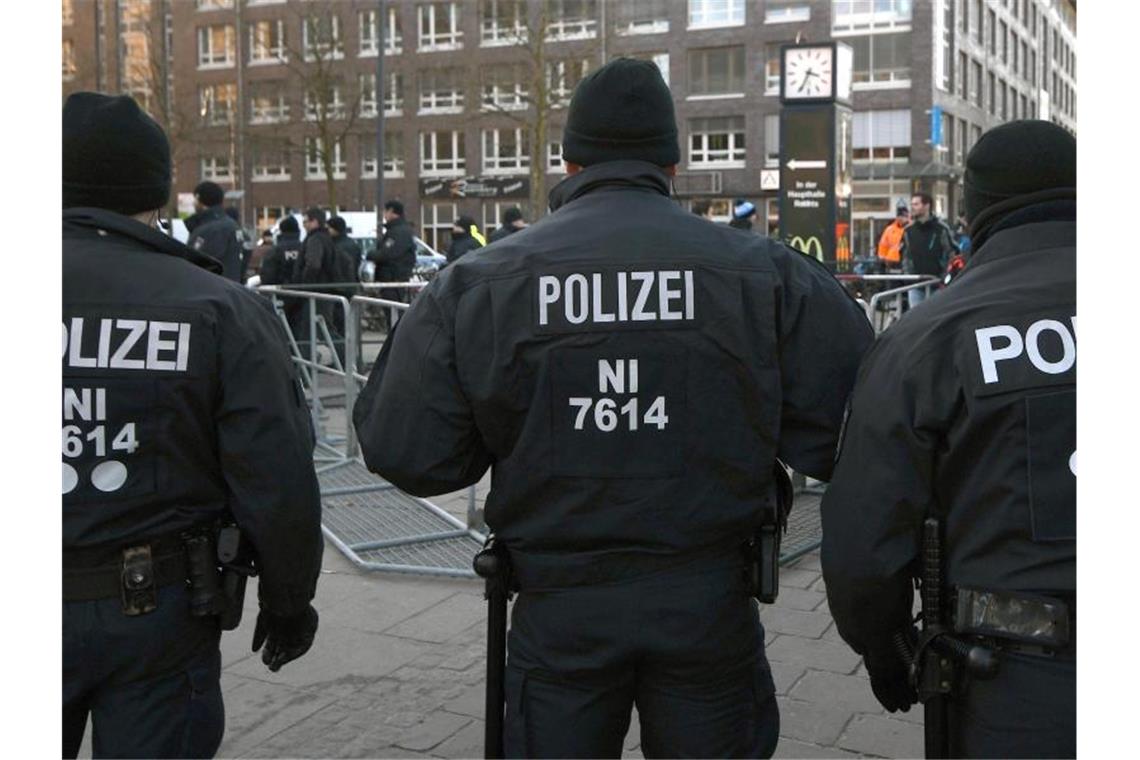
{"points": [[622, 111], [114, 156], [1018, 163]]}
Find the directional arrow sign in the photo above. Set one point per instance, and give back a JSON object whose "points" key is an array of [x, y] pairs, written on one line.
{"points": [[795, 163]]}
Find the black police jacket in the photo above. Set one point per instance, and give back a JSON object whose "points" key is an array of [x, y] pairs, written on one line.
{"points": [[318, 258], [502, 231], [629, 370], [964, 410], [215, 234], [280, 264], [395, 256], [460, 245], [180, 403]]}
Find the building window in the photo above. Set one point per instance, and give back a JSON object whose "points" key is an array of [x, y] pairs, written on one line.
{"points": [[992, 100], [267, 102], [717, 142], [325, 101], [660, 60], [367, 89], [640, 17], [963, 75], [716, 71], [265, 217], [1003, 35], [216, 103], [881, 135], [315, 155], [976, 20], [572, 20], [267, 42], [562, 77], [370, 33], [504, 88], [505, 151], [442, 154], [991, 24], [855, 16], [69, 68], [67, 14], [216, 168], [960, 144], [435, 222], [772, 140], [772, 68], [554, 161], [502, 22], [706, 14], [211, 5], [271, 162], [393, 154], [976, 84], [394, 94], [786, 13], [881, 60], [944, 53], [367, 146], [215, 46], [439, 27], [322, 39], [441, 90], [1004, 99], [1033, 67]]}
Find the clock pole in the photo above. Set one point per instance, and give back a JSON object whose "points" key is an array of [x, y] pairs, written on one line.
{"points": [[816, 151]]}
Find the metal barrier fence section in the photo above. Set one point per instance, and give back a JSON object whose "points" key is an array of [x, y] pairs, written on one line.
{"points": [[379, 527]]}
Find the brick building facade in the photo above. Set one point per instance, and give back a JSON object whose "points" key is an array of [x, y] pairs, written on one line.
{"points": [[233, 83]]}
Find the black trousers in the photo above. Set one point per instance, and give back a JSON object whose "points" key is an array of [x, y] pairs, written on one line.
{"points": [[150, 682], [1028, 710], [685, 646]]}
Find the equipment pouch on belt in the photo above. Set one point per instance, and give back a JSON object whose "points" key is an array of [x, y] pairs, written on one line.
{"points": [[236, 558], [765, 544], [139, 593], [1038, 620]]}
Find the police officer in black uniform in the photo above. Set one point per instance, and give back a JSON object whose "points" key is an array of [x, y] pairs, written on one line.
{"points": [[214, 232], [181, 409], [631, 374], [965, 412]]}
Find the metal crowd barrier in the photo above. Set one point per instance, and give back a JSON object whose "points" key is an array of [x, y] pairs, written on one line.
{"points": [[374, 524]]}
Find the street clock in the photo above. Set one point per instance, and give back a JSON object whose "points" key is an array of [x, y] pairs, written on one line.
{"points": [[815, 73]]}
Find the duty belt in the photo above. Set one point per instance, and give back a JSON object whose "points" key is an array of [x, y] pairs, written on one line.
{"points": [[1017, 622], [131, 572], [534, 571]]}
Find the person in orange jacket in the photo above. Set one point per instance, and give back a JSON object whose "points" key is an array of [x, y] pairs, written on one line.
{"points": [[892, 238]]}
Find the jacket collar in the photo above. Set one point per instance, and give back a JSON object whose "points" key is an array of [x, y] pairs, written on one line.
{"points": [[1039, 228], [97, 220], [637, 175]]}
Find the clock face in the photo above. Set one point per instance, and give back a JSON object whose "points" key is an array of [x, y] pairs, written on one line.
{"points": [[807, 73]]}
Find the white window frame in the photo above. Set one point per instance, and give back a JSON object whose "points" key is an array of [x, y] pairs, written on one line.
{"points": [[562, 29], [263, 172], [882, 84], [772, 80], [207, 57], [433, 166], [731, 93], [431, 225], [857, 21], [701, 157], [215, 168], [517, 163], [274, 114], [267, 216], [636, 27], [698, 13], [213, 5], [366, 87], [492, 35], [69, 67], [893, 149], [429, 40], [67, 13], [495, 96], [787, 14], [334, 51], [263, 55], [336, 110], [369, 39], [211, 109], [367, 149], [772, 136], [394, 159], [313, 168], [394, 94], [557, 88], [441, 101], [554, 162]]}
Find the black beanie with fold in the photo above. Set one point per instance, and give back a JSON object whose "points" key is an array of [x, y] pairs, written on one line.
{"points": [[114, 156], [622, 111]]}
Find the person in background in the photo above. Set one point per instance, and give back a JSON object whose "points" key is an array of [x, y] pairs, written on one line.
{"points": [[891, 240], [743, 212], [246, 241], [703, 209], [512, 223], [465, 237], [927, 244], [962, 235], [213, 232], [259, 253]]}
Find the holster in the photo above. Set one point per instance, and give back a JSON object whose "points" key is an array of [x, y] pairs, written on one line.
{"points": [[764, 548], [235, 556]]}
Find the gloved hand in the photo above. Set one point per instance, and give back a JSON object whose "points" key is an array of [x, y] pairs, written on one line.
{"points": [[285, 638], [890, 678]]}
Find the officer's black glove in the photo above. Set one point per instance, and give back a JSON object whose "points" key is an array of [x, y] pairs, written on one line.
{"points": [[890, 680], [285, 638]]}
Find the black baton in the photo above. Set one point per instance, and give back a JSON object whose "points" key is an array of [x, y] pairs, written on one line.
{"points": [[493, 564]]}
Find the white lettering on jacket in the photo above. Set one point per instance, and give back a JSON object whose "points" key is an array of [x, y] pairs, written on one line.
{"points": [[139, 344], [599, 298], [1001, 343]]}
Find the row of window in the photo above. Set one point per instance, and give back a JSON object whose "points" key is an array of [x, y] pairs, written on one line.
{"points": [[1002, 40]]}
